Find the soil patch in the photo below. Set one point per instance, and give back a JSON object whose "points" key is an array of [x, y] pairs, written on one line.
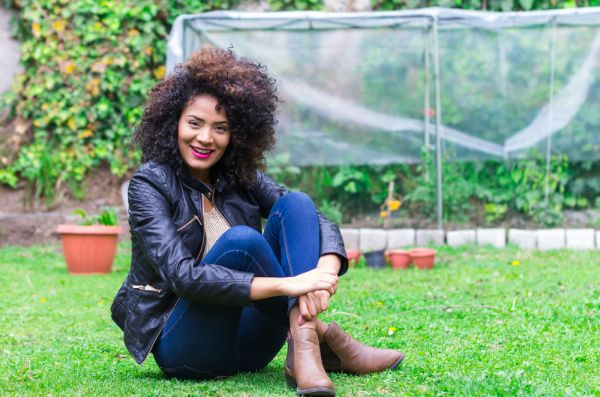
{"points": [[24, 221]]}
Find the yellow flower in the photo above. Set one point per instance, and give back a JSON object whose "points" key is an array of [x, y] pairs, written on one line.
{"points": [[71, 124], [59, 25], [36, 28], [379, 303], [85, 133], [516, 263], [159, 72], [392, 330], [93, 86], [384, 214], [394, 205], [149, 50], [43, 300], [69, 68], [133, 32]]}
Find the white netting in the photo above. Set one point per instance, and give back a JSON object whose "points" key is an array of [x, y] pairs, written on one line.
{"points": [[361, 88]]}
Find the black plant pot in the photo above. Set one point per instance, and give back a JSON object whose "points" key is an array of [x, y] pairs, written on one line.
{"points": [[375, 259]]}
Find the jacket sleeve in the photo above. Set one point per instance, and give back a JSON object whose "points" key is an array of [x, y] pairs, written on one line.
{"points": [[153, 228], [267, 192]]}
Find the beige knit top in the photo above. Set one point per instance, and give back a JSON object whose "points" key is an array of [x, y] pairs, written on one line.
{"points": [[215, 225]]}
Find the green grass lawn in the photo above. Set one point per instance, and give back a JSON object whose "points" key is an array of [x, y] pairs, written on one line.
{"points": [[475, 325]]}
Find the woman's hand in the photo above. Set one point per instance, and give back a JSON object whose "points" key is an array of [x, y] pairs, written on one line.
{"points": [[313, 280], [311, 304]]}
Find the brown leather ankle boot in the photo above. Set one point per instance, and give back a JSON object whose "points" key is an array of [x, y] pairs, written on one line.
{"points": [[303, 367], [341, 353]]}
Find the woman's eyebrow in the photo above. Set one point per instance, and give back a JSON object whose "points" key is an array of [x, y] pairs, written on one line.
{"points": [[191, 116]]}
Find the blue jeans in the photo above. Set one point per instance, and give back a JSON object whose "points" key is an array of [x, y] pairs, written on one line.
{"points": [[206, 340]]}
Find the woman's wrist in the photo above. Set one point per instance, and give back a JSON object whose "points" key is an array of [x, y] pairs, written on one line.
{"points": [[330, 262], [267, 287]]}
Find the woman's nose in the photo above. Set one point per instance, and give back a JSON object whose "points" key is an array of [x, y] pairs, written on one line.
{"points": [[204, 135]]}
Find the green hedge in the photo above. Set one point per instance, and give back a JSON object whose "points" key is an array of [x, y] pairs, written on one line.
{"points": [[87, 67]]}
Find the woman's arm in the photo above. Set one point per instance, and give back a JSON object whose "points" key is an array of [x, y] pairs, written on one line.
{"points": [[314, 280]]}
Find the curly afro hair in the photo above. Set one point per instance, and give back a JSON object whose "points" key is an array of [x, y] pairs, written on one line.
{"points": [[244, 90]]}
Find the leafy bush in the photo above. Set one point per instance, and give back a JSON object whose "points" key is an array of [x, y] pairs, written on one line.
{"points": [[88, 66]]}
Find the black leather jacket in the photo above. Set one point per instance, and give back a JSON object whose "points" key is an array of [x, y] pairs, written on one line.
{"points": [[165, 218]]}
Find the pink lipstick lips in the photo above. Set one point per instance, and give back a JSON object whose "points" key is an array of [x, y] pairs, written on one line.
{"points": [[201, 153]]}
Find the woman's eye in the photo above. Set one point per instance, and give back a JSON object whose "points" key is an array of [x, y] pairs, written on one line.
{"points": [[221, 129]]}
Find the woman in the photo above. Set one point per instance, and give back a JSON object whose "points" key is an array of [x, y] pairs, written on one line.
{"points": [[207, 294]]}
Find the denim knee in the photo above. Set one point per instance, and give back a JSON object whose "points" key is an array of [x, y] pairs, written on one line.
{"points": [[294, 200], [242, 237]]}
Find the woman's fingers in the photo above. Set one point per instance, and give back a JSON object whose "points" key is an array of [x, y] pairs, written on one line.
{"points": [[301, 319], [330, 279], [303, 307], [323, 279], [310, 281], [312, 308], [311, 304], [315, 297], [331, 291], [324, 300]]}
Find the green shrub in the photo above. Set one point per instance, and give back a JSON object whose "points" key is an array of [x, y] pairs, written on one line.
{"points": [[87, 68]]}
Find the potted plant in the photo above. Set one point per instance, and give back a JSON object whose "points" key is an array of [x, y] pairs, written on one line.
{"points": [[375, 258], [423, 258], [90, 246], [353, 257], [399, 259]]}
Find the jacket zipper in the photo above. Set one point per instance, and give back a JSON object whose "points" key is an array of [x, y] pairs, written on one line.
{"points": [[203, 232], [217, 207], [194, 218], [146, 287]]}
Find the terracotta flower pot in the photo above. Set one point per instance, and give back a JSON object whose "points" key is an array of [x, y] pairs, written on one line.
{"points": [[375, 259], [89, 249], [423, 258], [353, 257], [399, 259]]}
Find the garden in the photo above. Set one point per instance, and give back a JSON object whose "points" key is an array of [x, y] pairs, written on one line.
{"points": [[505, 137]]}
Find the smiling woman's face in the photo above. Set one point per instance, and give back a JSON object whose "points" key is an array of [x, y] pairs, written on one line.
{"points": [[203, 135]]}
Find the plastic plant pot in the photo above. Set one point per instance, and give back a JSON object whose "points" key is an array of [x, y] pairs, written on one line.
{"points": [[423, 258], [89, 249], [353, 257], [399, 259], [375, 259]]}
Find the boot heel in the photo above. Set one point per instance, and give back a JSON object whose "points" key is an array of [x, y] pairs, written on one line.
{"points": [[291, 382]]}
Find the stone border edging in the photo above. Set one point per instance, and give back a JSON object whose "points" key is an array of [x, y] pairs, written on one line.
{"points": [[369, 239]]}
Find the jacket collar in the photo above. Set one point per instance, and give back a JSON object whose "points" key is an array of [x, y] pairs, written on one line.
{"points": [[197, 184]]}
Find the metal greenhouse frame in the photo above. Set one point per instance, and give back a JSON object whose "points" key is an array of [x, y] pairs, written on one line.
{"points": [[552, 37]]}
